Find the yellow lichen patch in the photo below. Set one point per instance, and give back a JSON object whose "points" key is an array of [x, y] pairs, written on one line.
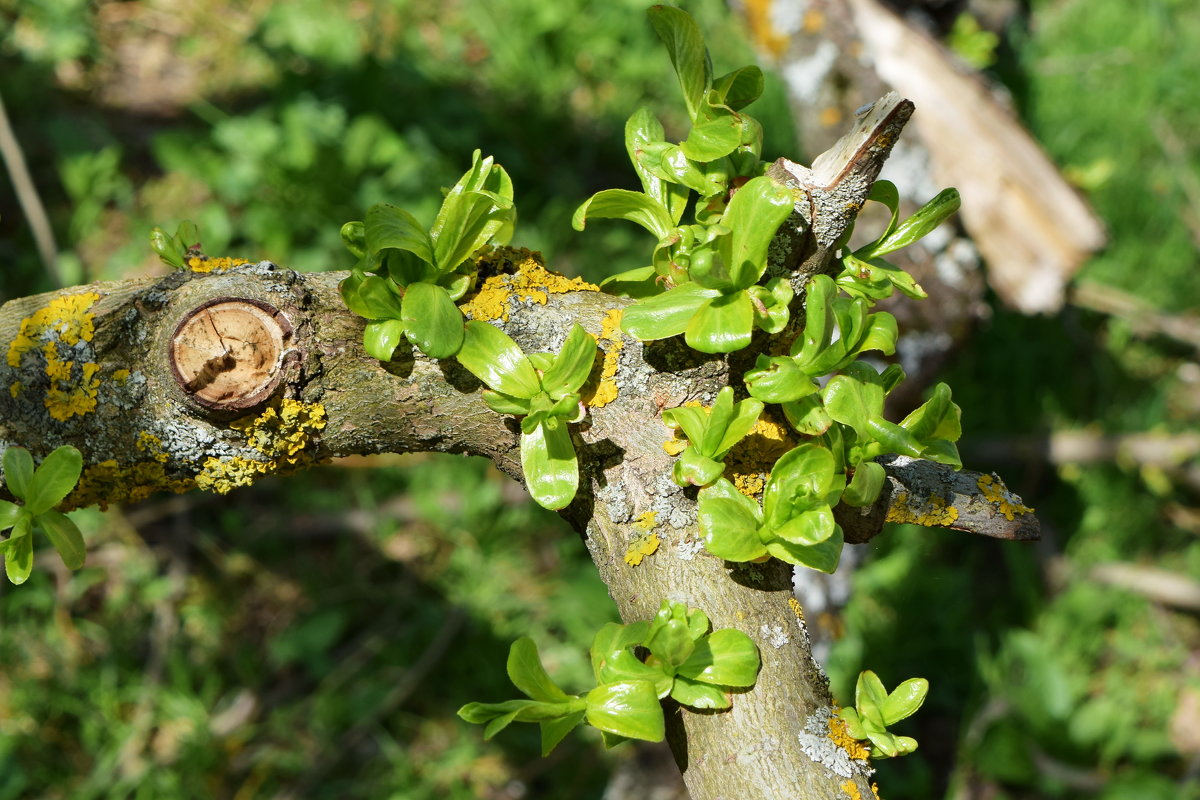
{"points": [[516, 273], [875, 790], [109, 482], [14, 389], [66, 398], [839, 735], [745, 463], [149, 443], [280, 433], [641, 547], [646, 521], [934, 513], [121, 376], [797, 609], [283, 429], [996, 493], [763, 31], [205, 264], [65, 319], [601, 388], [851, 788]]}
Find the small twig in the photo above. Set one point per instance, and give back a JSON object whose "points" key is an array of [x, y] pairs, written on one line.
{"points": [[27, 196]]}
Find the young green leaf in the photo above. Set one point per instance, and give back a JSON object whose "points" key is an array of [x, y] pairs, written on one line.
{"points": [[382, 337], [865, 486], [54, 479], [916, 227], [629, 709], [18, 471], [18, 556], [666, 314], [572, 365], [698, 695], [671, 643], [493, 357], [739, 88], [721, 325], [726, 657], [476, 208], [754, 214], [904, 700], [729, 523], [371, 296], [354, 237], [9, 513], [431, 320], [388, 226], [555, 730], [641, 129], [65, 537], [624, 204], [550, 466], [713, 138], [822, 557], [869, 697], [526, 672], [685, 45]]}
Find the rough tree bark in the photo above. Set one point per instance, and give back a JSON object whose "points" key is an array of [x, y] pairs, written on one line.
{"points": [[210, 380]]}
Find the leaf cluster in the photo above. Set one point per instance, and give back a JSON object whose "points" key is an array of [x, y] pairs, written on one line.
{"points": [[408, 279], [711, 434], [703, 281], [175, 249], [40, 491], [635, 666], [875, 709], [543, 389]]}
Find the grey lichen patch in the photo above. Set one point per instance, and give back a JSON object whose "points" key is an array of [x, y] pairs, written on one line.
{"points": [[816, 743]]}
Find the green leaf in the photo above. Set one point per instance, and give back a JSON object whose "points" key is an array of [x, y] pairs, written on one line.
{"points": [[505, 403], [937, 418], [807, 528], [668, 162], [853, 723], [823, 557], [745, 417], [169, 249], [685, 45], [802, 477], [754, 214], [852, 402], [550, 467], [869, 697], [628, 708], [54, 479], [729, 522], [18, 471], [719, 417], [9, 513], [478, 207], [881, 334], [555, 730], [721, 325], [432, 322], [927, 217], [693, 421], [492, 356], [635, 283], [713, 138], [572, 365], [382, 337], [614, 638], [671, 643], [904, 700], [641, 129], [371, 296], [726, 657], [666, 314], [389, 227], [705, 696], [693, 469], [624, 204], [354, 236], [864, 488], [808, 415], [18, 556], [526, 672], [778, 379], [771, 312], [739, 88], [65, 537]]}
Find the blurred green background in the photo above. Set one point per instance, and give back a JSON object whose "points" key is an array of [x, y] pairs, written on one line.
{"points": [[312, 637]]}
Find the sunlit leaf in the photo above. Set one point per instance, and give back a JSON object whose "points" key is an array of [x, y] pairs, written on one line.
{"points": [[65, 537], [526, 672], [550, 466], [54, 479], [493, 357], [685, 45], [628, 708], [432, 322]]}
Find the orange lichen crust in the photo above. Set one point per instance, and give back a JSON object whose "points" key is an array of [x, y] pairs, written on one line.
{"points": [[996, 493], [851, 789], [641, 547], [204, 264], [932, 514], [762, 30], [110, 482], [279, 434], [60, 333], [839, 735], [601, 387], [797, 609], [515, 273]]}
